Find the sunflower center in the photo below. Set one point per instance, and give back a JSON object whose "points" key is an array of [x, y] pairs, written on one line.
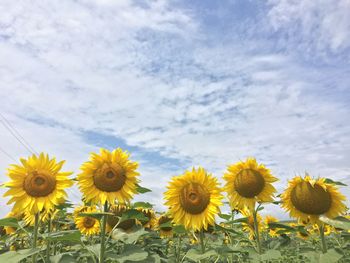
{"points": [[39, 184], [312, 200], [110, 178], [249, 183], [89, 222], [194, 198]]}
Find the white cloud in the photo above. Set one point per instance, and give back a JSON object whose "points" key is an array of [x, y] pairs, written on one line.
{"points": [[317, 25]]}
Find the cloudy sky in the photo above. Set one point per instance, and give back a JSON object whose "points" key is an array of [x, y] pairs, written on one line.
{"points": [[179, 84]]}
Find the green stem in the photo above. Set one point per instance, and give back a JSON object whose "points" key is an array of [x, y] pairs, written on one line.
{"points": [[324, 245], [35, 237], [201, 237], [48, 241], [103, 233], [178, 256], [256, 230]]}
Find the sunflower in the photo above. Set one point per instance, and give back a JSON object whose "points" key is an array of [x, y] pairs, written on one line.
{"points": [[37, 184], [194, 199], [108, 176], [247, 183], [272, 231], [165, 231], [44, 216], [150, 214], [307, 199], [249, 225], [87, 225], [112, 220], [328, 229]]}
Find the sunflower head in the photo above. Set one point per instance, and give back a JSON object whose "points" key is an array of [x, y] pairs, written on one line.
{"points": [[37, 183], [248, 182], [272, 231], [307, 199], [87, 225], [44, 216], [112, 220], [165, 231], [194, 199], [108, 176], [150, 215]]}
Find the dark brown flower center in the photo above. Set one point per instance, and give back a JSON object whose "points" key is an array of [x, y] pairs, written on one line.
{"points": [[89, 222], [39, 184], [194, 198], [249, 183], [110, 178], [312, 200]]}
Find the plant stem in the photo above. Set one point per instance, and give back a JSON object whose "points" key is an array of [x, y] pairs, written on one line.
{"points": [[48, 241], [103, 233], [201, 237], [35, 237], [256, 229], [178, 253], [324, 245]]}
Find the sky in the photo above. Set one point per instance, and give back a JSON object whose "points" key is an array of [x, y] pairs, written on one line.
{"points": [[179, 84]]}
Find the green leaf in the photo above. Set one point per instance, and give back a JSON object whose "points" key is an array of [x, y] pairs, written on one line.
{"points": [[16, 256], [97, 215], [69, 236], [166, 224], [330, 181], [9, 221], [225, 216], [143, 205], [179, 229], [283, 226], [331, 256], [270, 255], [336, 223], [218, 227], [134, 214], [130, 253], [196, 255], [142, 190], [62, 258]]}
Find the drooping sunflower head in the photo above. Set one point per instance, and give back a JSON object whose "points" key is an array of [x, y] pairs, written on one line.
{"points": [[112, 220], [248, 182], [37, 183], [87, 225], [44, 216], [108, 176], [151, 217], [164, 225], [249, 225], [271, 230], [307, 199], [194, 199]]}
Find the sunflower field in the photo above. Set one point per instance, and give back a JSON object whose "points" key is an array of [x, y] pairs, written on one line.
{"points": [[107, 226]]}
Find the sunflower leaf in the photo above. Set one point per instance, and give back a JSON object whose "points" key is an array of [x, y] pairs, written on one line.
{"points": [[142, 190], [330, 181], [133, 214], [225, 216], [336, 223], [9, 221], [179, 229]]}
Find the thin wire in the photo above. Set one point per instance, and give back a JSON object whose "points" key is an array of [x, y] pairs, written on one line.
{"points": [[13, 131], [7, 154]]}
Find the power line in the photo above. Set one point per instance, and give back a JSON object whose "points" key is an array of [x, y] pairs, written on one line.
{"points": [[7, 154], [16, 134]]}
